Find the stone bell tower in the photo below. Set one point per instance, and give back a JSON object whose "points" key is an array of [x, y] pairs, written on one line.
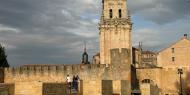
{"points": [[115, 28]]}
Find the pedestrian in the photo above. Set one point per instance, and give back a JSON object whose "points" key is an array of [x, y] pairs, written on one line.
{"points": [[69, 81], [74, 82], [77, 82]]}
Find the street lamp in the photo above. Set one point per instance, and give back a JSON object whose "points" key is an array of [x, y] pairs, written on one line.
{"points": [[180, 72]]}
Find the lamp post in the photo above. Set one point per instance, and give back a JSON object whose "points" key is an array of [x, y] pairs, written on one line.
{"points": [[180, 72]]}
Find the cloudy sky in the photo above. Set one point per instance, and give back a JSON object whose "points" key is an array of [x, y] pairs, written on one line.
{"points": [[53, 31]]}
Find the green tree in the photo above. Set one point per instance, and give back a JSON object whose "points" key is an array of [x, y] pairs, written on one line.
{"points": [[3, 58]]}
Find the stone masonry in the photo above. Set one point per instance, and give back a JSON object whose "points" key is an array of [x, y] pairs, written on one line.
{"points": [[29, 80]]}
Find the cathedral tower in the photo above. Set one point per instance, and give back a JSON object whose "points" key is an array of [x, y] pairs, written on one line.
{"points": [[115, 28]]}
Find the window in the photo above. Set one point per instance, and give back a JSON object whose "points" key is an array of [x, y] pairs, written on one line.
{"points": [[173, 59], [146, 81], [173, 50], [120, 15], [111, 13]]}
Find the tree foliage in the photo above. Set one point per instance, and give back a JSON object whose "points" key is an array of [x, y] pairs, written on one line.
{"points": [[3, 58]]}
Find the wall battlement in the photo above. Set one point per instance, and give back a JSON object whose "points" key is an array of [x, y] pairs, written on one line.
{"points": [[51, 68], [57, 73], [51, 72], [119, 56]]}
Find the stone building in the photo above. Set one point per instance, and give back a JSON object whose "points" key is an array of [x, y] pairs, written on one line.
{"points": [[176, 55], [143, 59], [118, 69], [149, 58], [165, 75]]}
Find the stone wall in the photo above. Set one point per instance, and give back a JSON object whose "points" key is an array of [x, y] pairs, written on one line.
{"points": [[170, 80], [154, 74], [92, 87], [28, 88], [121, 62], [54, 88], [149, 89], [177, 55], [7, 89], [29, 79], [48, 73], [167, 79]]}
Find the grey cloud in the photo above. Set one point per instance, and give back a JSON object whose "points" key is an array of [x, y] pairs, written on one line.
{"points": [[53, 31], [47, 49], [6, 29], [159, 37], [160, 11]]}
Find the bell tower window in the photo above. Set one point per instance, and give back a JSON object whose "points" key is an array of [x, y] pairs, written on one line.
{"points": [[173, 50], [111, 13], [120, 15], [173, 59]]}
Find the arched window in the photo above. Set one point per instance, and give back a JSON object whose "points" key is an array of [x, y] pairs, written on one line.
{"points": [[120, 15], [111, 13], [173, 50], [173, 59], [146, 81]]}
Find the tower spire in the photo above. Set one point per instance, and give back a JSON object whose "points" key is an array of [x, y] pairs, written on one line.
{"points": [[85, 55], [84, 46]]}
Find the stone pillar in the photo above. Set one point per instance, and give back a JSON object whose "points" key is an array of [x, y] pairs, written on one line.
{"points": [[6, 89], [92, 87], [107, 87], [117, 87], [28, 88], [125, 87], [81, 87]]}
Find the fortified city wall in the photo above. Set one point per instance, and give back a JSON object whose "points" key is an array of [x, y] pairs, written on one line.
{"points": [[95, 78]]}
